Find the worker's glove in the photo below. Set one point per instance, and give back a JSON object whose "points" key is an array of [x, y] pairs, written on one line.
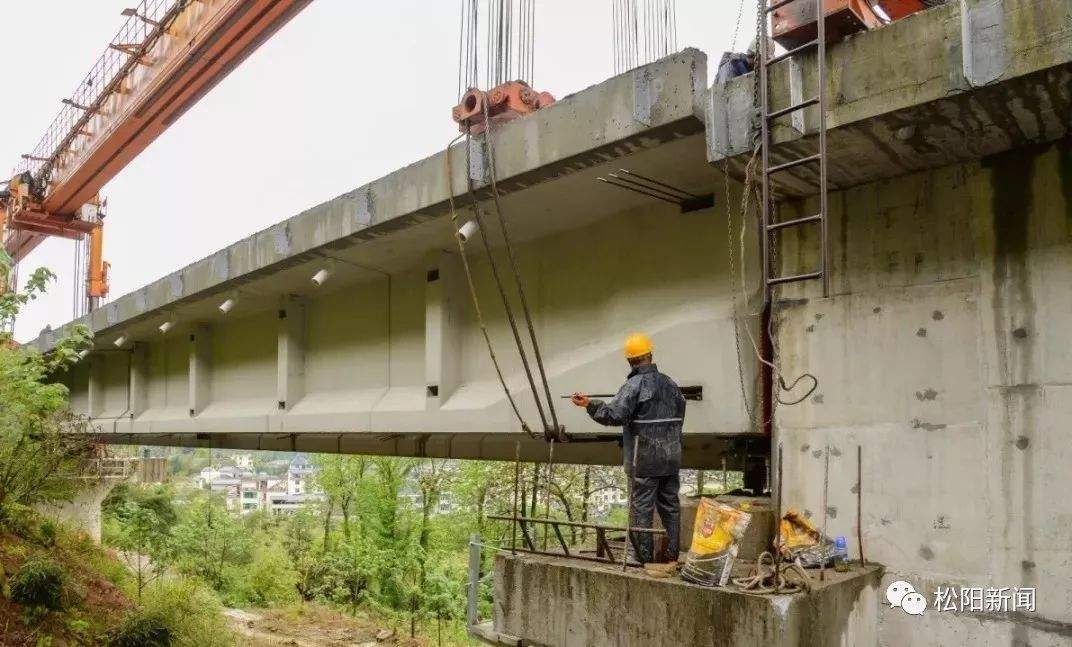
{"points": [[579, 399]]}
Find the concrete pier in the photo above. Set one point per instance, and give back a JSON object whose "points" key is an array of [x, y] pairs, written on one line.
{"points": [[84, 510], [566, 602]]}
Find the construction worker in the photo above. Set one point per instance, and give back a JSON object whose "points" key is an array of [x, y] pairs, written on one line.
{"points": [[650, 409]]}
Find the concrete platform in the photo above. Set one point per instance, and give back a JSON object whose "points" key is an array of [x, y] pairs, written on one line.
{"points": [[954, 83], [565, 602]]}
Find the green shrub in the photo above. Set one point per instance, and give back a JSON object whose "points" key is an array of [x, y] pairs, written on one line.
{"points": [[18, 519], [268, 580], [141, 628], [39, 583], [190, 610], [47, 532]]}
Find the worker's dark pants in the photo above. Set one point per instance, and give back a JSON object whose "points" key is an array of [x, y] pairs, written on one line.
{"points": [[660, 493]]}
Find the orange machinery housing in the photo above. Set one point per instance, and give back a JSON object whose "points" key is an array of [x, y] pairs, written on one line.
{"points": [[794, 24], [502, 103], [167, 56]]}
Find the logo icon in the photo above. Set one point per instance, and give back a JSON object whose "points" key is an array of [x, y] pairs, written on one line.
{"points": [[914, 604], [902, 594]]}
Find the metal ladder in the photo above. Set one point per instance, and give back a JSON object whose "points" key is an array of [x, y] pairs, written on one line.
{"points": [[770, 226]]}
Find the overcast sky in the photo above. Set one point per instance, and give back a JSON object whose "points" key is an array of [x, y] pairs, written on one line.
{"points": [[345, 93]]}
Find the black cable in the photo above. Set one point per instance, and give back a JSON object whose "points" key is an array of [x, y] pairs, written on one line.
{"points": [[462, 63], [472, 291], [477, 213], [517, 274]]}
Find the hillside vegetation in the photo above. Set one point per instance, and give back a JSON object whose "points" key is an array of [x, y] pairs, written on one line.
{"points": [[60, 588]]}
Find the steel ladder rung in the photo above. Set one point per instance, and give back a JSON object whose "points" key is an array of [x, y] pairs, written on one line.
{"points": [[797, 162], [793, 108], [766, 60], [793, 223], [793, 52], [778, 5], [778, 280]]}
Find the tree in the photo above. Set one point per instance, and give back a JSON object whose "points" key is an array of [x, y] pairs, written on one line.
{"points": [[573, 486], [351, 569], [484, 487], [140, 520], [270, 577], [42, 446], [145, 537], [342, 478], [432, 478], [444, 598], [209, 542], [391, 474], [310, 567]]}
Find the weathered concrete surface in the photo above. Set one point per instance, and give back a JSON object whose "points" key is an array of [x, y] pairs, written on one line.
{"points": [[84, 510], [563, 602], [950, 84], [942, 348], [944, 353], [627, 114]]}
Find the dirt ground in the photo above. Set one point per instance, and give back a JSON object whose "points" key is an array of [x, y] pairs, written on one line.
{"points": [[311, 626]]}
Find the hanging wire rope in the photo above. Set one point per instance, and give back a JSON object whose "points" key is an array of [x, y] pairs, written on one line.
{"points": [[508, 56], [490, 156], [472, 290], [643, 32], [467, 70], [507, 29], [493, 266]]}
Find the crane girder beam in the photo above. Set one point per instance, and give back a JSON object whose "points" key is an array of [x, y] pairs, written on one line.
{"points": [[203, 43], [192, 48]]}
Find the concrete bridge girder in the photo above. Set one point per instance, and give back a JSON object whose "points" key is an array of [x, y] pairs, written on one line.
{"points": [[386, 356]]}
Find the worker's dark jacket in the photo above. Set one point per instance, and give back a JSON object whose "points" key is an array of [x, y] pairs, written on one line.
{"points": [[650, 408]]}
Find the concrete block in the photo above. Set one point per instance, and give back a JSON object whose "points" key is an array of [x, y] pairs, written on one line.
{"points": [[558, 601]]}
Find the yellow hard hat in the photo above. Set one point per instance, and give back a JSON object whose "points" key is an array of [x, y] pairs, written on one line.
{"points": [[637, 345]]}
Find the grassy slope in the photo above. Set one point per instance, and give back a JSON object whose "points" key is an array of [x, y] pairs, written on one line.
{"points": [[96, 603]]}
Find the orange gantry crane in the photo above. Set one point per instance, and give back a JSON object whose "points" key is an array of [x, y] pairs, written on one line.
{"points": [[167, 55]]}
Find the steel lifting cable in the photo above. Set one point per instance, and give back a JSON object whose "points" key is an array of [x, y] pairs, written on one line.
{"points": [[490, 156], [748, 188], [746, 195], [750, 182], [478, 214], [729, 255], [472, 288]]}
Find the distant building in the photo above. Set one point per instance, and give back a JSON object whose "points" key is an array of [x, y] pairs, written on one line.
{"points": [[607, 499], [298, 474], [245, 491]]}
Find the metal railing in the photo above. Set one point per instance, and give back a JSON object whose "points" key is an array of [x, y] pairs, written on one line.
{"points": [[142, 28], [604, 548], [108, 468]]}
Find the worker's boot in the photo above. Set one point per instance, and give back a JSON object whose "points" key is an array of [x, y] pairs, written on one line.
{"points": [[656, 569]]}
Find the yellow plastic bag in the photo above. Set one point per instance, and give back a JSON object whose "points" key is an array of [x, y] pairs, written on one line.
{"points": [[796, 533], [715, 535], [718, 526], [801, 542]]}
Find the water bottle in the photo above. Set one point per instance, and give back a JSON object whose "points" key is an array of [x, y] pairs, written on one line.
{"points": [[841, 554]]}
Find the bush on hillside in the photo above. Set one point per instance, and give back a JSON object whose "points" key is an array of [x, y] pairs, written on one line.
{"points": [[141, 629], [191, 612], [47, 533], [39, 583]]}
